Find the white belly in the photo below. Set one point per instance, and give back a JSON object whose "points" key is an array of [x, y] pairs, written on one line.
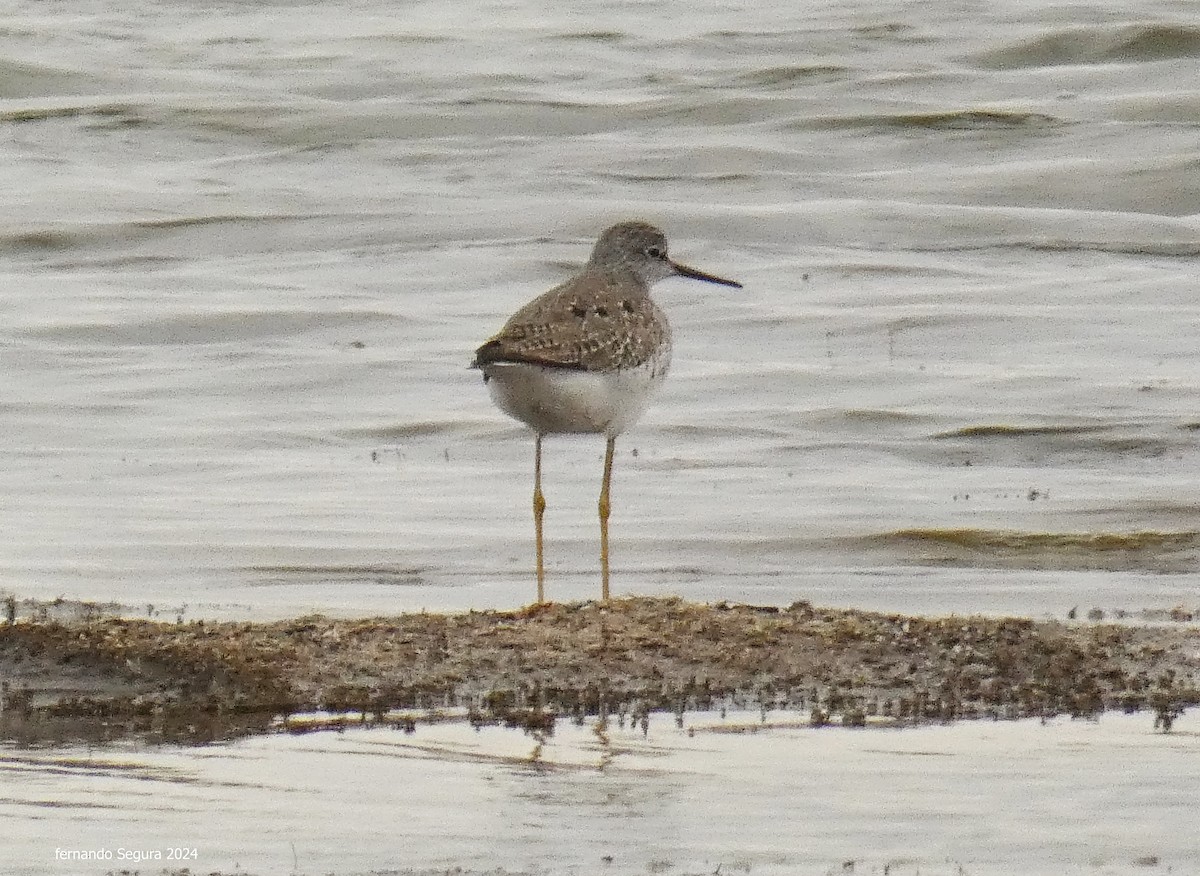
{"points": [[567, 400]]}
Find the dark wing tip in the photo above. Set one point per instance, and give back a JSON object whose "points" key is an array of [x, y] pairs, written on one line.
{"points": [[493, 352]]}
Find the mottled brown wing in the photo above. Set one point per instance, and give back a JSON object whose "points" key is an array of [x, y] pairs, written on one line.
{"points": [[596, 322]]}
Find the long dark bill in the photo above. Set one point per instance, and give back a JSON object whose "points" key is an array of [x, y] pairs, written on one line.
{"points": [[685, 271]]}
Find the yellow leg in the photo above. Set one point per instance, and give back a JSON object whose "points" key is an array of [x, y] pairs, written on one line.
{"points": [[539, 509], [604, 509]]}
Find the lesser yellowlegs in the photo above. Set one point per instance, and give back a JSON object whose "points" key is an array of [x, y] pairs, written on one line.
{"points": [[588, 355]]}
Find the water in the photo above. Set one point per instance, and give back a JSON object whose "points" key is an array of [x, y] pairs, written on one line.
{"points": [[980, 799], [247, 251]]}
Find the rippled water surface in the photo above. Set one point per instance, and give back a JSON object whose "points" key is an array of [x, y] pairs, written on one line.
{"points": [[720, 795], [249, 249]]}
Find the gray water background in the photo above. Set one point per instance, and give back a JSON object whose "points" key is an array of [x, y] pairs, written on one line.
{"points": [[247, 251]]}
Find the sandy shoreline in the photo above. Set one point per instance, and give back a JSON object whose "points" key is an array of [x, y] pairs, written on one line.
{"points": [[94, 677]]}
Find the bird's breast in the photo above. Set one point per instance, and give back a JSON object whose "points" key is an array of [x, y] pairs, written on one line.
{"points": [[561, 400]]}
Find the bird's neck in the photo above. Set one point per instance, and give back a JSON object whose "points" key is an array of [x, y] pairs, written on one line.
{"points": [[624, 276]]}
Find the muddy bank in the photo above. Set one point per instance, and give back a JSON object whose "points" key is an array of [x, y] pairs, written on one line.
{"points": [[106, 678]]}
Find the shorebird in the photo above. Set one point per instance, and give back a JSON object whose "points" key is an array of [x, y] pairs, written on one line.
{"points": [[587, 356]]}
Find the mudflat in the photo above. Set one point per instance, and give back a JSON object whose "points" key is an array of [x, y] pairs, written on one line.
{"points": [[90, 676]]}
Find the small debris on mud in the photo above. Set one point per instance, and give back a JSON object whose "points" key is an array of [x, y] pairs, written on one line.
{"points": [[101, 678]]}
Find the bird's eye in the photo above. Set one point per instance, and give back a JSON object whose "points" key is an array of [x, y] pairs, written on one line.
{"points": [[656, 252]]}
